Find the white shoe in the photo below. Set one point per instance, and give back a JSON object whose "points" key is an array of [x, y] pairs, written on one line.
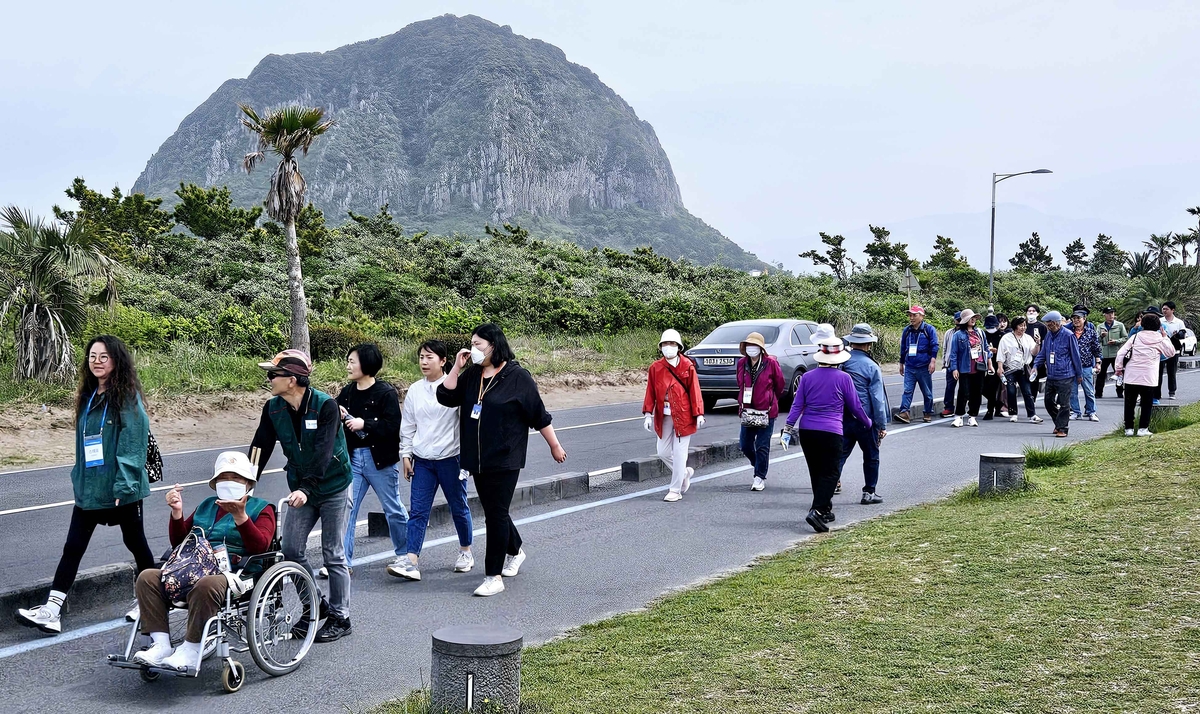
{"points": [[512, 564], [1129, 432], [1073, 417], [971, 421], [323, 572], [41, 618], [1144, 432], [404, 568], [957, 422], [185, 658], [1035, 419], [759, 484], [155, 655], [465, 562], [687, 479], [492, 585], [134, 614], [1094, 417], [672, 497], [1004, 413], [1013, 418]]}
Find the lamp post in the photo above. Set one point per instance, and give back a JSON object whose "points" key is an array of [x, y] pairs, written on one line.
{"points": [[997, 178]]}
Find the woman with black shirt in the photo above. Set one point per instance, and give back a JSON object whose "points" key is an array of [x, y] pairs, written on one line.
{"points": [[499, 405], [370, 412]]}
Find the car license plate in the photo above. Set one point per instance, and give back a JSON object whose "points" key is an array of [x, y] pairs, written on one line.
{"points": [[719, 361]]}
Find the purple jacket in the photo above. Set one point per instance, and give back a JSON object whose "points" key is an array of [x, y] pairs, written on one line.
{"points": [[822, 398], [768, 386]]}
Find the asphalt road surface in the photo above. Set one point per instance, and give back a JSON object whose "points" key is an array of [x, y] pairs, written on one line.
{"points": [[611, 551]]}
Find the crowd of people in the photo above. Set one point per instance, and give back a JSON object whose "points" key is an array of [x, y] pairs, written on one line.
{"points": [[471, 414]]}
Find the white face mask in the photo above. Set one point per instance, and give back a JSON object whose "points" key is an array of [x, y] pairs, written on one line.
{"points": [[753, 351], [1031, 316], [477, 355], [670, 351], [990, 330], [230, 490]]}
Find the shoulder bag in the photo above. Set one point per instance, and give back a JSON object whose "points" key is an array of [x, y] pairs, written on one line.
{"points": [[191, 560]]}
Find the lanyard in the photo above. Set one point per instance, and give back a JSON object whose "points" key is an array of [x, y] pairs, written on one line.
{"points": [[103, 417], [483, 392]]}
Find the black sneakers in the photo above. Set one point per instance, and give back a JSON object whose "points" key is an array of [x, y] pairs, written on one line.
{"points": [[817, 521], [335, 629]]}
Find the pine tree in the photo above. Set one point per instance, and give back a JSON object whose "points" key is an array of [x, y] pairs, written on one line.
{"points": [[1076, 255], [1107, 256], [1033, 257], [883, 254], [836, 258], [946, 255]]}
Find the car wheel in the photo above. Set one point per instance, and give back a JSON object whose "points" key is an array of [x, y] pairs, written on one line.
{"points": [[710, 403], [790, 394]]}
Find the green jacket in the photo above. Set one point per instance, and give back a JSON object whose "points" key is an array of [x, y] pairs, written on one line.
{"points": [[123, 473], [1117, 333], [303, 473]]}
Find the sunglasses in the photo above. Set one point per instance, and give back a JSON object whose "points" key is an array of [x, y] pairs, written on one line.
{"points": [[276, 375]]}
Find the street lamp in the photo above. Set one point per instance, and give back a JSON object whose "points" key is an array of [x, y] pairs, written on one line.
{"points": [[997, 178]]}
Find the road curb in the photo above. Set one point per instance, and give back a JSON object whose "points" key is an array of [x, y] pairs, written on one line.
{"points": [[99, 586], [651, 467]]}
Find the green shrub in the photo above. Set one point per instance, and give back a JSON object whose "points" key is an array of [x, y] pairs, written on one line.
{"points": [[332, 342], [1048, 457]]}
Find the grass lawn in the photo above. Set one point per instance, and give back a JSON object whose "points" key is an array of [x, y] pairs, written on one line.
{"points": [[1079, 595]]}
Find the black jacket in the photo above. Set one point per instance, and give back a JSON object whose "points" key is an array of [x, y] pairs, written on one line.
{"points": [[380, 412], [498, 440]]}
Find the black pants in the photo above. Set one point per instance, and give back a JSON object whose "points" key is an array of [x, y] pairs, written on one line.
{"points": [[970, 393], [1058, 402], [1105, 363], [1170, 368], [823, 454], [1133, 392], [83, 524], [495, 495], [1019, 378], [991, 390]]}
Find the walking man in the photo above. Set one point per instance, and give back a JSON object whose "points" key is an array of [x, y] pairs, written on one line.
{"points": [[868, 382], [1112, 336], [1089, 356], [951, 382], [918, 362], [308, 426], [1059, 354], [1175, 332]]}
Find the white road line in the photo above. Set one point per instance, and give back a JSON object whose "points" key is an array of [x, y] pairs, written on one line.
{"points": [[585, 426]]}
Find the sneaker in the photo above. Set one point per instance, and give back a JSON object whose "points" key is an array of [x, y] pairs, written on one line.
{"points": [[185, 658], [904, 417], [1004, 413], [323, 573], [404, 568], [971, 421], [465, 562], [335, 629], [838, 487], [957, 422], [1035, 419], [946, 413], [41, 618], [926, 418], [512, 564], [758, 485], [1013, 418], [154, 656], [1129, 432], [672, 497], [1093, 417], [1156, 402], [828, 517], [1073, 417], [687, 479], [815, 520], [134, 614], [869, 498], [1144, 432], [1171, 397], [492, 585]]}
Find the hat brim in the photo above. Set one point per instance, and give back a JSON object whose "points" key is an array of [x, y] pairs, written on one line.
{"points": [[831, 359], [861, 339], [253, 478]]}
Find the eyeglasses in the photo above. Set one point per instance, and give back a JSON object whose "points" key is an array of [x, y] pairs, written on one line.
{"points": [[100, 359], [276, 375]]}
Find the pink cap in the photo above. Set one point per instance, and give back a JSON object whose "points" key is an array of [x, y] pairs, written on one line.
{"points": [[916, 310]]}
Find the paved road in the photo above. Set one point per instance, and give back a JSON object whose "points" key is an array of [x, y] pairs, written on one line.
{"points": [[612, 551], [596, 438]]}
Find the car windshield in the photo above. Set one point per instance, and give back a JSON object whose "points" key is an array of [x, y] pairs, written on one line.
{"points": [[734, 334]]}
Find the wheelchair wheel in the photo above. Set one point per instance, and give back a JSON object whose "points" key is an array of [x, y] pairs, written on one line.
{"points": [[177, 619], [148, 676], [281, 620], [233, 675]]}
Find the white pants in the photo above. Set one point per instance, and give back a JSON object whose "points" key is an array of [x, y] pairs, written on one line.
{"points": [[673, 450]]}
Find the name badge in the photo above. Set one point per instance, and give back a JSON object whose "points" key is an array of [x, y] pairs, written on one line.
{"points": [[667, 408], [912, 350], [310, 423], [747, 395], [974, 354], [476, 411], [1051, 360], [93, 451]]}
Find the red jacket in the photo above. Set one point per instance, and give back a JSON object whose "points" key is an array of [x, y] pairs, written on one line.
{"points": [[686, 404]]}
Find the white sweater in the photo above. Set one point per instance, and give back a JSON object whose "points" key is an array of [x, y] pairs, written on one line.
{"points": [[1014, 354], [428, 430]]}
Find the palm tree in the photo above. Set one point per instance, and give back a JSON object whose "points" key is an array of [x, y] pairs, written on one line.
{"points": [[1182, 241], [45, 274], [1178, 283], [1138, 265], [285, 132], [1161, 248]]}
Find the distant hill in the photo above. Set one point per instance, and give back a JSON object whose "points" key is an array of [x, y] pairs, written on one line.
{"points": [[455, 122]]}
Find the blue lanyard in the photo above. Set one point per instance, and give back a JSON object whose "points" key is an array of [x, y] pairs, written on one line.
{"points": [[103, 417]]}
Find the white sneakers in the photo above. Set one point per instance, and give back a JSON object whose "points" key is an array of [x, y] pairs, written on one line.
{"points": [[1129, 432], [687, 479], [1035, 419], [465, 562], [512, 564], [957, 423], [42, 618], [759, 484], [185, 658], [971, 421], [402, 567], [1144, 432], [672, 497], [1094, 417], [492, 585], [323, 573], [159, 650], [1013, 419]]}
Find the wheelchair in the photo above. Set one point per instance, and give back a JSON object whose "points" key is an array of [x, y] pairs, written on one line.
{"points": [[275, 620]]}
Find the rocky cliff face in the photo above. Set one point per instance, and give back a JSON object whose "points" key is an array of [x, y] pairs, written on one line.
{"points": [[452, 121]]}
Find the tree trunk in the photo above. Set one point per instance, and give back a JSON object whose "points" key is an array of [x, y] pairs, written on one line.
{"points": [[299, 303]]}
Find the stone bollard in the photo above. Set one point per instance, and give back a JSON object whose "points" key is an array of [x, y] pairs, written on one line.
{"points": [[1001, 472], [472, 663]]}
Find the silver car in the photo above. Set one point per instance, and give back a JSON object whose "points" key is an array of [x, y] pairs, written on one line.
{"points": [[716, 357]]}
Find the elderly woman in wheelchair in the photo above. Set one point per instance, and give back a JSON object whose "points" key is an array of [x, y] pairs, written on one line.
{"points": [[244, 524]]}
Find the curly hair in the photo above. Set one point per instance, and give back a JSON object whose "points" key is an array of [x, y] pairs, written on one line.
{"points": [[123, 383]]}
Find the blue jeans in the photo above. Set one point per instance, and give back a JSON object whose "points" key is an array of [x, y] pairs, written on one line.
{"points": [[912, 379], [299, 522], [756, 445], [951, 385], [386, 482], [853, 432], [1089, 393], [427, 476]]}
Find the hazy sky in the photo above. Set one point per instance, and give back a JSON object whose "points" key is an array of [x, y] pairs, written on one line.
{"points": [[780, 118]]}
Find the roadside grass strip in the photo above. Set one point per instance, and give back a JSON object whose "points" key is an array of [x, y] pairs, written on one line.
{"points": [[1078, 595]]}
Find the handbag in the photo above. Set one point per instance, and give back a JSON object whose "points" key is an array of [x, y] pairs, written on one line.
{"points": [[154, 460], [755, 418], [191, 560]]}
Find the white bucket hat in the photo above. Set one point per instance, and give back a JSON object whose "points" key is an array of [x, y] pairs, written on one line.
{"points": [[823, 332], [234, 462], [832, 352], [671, 336]]}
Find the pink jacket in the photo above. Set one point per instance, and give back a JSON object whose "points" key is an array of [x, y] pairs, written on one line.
{"points": [[1142, 368]]}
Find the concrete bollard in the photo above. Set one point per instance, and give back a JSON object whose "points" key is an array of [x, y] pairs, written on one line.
{"points": [[1001, 472], [473, 663]]}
